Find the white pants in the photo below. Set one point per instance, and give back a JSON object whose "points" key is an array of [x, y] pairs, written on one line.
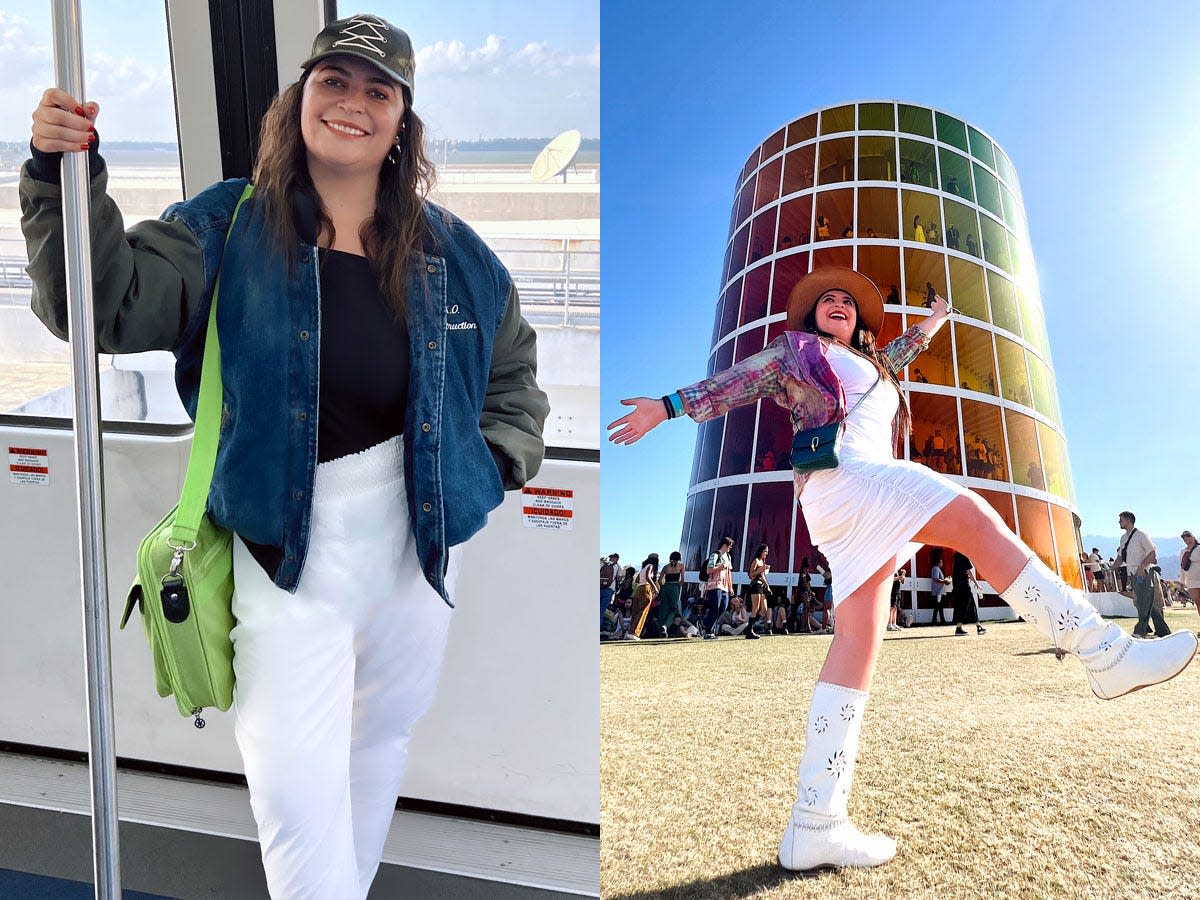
{"points": [[331, 680]]}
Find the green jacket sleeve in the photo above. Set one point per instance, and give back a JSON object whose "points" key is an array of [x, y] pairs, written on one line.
{"points": [[149, 281], [514, 408]]}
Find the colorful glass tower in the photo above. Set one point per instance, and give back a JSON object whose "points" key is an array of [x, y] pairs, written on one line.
{"points": [[912, 197]]}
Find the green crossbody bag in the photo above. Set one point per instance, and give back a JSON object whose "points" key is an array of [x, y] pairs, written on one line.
{"points": [[184, 585]]}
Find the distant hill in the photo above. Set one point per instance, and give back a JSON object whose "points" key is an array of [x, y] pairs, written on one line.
{"points": [[1169, 549]]}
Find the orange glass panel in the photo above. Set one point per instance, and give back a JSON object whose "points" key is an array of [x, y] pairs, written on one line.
{"points": [[802, 130], [773, 144], [1033, 517], [768, 184], [882, 266], [923, 268], [1022, 444], [835, 213], [983, 434], [935, 365], [795, 223], [934, 438], [798, 168], [1067, 542], [788, 270], [876, 213]]}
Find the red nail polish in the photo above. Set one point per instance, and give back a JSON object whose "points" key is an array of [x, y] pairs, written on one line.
{"points": [[79, 110], [84, 146], [92, 137]]}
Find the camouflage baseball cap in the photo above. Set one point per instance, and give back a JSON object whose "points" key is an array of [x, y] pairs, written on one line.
{"points": [[369, 38]]}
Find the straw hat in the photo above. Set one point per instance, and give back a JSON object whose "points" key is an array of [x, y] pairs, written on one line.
{"points": [[808, 290]]}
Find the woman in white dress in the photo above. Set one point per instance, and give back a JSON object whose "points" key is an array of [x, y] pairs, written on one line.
{"points": [[868, 514], [1190, 576]]}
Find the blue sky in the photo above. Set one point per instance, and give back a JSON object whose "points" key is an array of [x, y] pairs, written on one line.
{"points": [[485, 69], [1098, 113]]}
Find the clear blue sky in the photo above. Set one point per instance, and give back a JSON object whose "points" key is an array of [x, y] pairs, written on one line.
{"points": [[1095, 106]]}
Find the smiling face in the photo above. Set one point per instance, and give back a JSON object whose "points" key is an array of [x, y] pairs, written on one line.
{"points": [[349, 116], [837, 315]]}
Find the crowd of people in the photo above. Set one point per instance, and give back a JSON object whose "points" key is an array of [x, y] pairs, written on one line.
{"points": [[654, 602]]}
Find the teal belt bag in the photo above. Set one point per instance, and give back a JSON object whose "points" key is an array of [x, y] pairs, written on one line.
{"points": [[184, 585]]}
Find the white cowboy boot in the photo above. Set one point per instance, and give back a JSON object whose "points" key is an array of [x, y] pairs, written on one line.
{"points": [[819, 833], [1116, 663]]}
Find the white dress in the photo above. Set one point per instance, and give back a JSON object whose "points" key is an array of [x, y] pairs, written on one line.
{"points": [[864, 514], [1191, 578]]}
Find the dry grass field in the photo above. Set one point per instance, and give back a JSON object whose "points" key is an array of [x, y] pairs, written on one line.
{"points": [[988, 760]]}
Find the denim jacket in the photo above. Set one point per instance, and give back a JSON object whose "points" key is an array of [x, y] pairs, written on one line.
{"points": [[474, 420], [795, 373]]}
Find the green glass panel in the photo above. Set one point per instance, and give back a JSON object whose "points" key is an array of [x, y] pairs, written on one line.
{"points": [[1004, 167], [995, 243], [840, 118], [1005, 312], [1012, 212], [1039, 379], [956, 174], [981, 146], [1032, 326], [876, 158], [987, 190], [916, 120], [951, 131], [918, 163], [876, 117]]}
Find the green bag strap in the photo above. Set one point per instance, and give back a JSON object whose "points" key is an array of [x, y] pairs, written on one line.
{"points": [[193, 501]]}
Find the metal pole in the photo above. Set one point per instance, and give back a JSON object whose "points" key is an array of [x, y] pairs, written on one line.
{"points": [[68, 66]]}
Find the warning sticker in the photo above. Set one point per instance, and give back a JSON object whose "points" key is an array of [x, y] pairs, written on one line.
{"points": [[549, 508], [28, 465]]}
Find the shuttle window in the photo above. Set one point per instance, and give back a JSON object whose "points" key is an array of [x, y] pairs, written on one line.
{"points": [[128, 74]]}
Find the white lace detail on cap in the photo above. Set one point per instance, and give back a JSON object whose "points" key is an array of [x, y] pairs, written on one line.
{"points": [[364, 33]]}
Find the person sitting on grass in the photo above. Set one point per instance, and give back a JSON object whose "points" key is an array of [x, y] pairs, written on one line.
{"points": [[734, 620]]}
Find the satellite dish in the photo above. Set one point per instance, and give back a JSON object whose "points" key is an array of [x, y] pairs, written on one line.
{"points": [[556, 156]]}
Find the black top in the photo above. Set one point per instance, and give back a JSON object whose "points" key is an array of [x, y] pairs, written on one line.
{"points": [[364, 360], [363, 380]]}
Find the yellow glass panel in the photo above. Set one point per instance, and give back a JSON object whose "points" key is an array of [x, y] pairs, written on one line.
{"points": [[1004, 303], [923, 268], [976, 364], [835, 161], [1067, 542], [921, 216], [1023, 445], [840, 118], [966, 289], [1014, 377], [876, 158], [983, 437]]}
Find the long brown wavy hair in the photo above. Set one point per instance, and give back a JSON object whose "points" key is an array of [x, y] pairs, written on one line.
{"points": [[397, 231], [863, 342]]}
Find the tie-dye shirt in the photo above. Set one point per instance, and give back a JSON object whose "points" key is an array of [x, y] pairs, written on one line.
{"points": [[794, 372]]}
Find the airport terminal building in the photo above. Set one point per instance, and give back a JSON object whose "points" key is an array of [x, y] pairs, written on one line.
{"points": [[912, 197]]}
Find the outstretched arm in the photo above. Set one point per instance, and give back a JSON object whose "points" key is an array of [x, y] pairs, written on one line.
{"points": [[647, 414], [941, 312]]}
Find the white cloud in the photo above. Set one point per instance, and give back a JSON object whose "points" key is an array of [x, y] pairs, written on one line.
{"points": [[498, 89], [135, 95]]}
